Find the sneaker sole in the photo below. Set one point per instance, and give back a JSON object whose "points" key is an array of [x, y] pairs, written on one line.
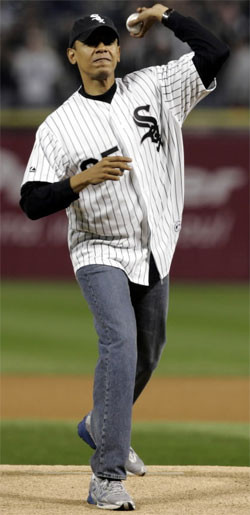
{"points": [[139, 474], [126, 506]]}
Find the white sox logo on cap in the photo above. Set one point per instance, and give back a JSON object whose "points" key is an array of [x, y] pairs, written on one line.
{"points": [[97, 18]]}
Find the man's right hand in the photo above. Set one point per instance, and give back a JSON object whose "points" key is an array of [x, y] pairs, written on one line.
{"points": [[148, 16], [108, 169]]}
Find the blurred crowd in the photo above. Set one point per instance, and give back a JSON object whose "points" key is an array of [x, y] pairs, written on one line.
{"points": [[35, 71]]}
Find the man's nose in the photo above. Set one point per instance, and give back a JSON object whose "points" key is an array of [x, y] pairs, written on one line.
{"points": [[101, 46]]}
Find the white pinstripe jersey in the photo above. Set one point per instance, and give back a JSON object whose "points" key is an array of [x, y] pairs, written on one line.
{"points": [[119, 223]]}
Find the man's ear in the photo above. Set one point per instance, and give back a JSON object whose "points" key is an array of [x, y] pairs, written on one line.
{"points": [[119, 54], [71, 55]]}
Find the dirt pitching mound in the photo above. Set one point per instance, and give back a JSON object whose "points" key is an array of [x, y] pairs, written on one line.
{"points": [[59, 490]]}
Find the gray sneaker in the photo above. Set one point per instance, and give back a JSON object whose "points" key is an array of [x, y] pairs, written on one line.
{"points": [[134, 464], [109, 495]]}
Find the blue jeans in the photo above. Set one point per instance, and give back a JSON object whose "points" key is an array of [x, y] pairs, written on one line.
{"points": [[130, 321]]}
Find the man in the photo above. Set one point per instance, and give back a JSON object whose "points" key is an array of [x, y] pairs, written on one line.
{"points": [[112, 155]]}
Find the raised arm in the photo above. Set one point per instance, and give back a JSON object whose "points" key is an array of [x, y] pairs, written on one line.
{"points": [[210, 52]]}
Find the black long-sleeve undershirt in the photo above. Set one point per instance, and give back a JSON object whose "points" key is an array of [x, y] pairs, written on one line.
{"points": [[40, 199], [210, 52]]}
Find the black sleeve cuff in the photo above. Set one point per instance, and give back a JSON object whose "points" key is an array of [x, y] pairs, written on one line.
{"points": [[174, 21], [40, 199], [64, 188]]}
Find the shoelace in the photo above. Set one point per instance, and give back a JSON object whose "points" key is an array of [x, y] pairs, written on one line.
{"points": [[115, 486]]}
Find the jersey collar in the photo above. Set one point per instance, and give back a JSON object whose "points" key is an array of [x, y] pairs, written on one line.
{"points": [[105, 97]]}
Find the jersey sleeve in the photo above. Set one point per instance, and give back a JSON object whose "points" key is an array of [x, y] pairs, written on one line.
{"points": [[48, 162], [181, 87]]}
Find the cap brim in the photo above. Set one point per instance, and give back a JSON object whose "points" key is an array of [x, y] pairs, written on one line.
{"points": [[86, 34]]}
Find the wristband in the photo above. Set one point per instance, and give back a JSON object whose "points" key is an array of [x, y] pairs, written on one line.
{"points": [[166, 16]]}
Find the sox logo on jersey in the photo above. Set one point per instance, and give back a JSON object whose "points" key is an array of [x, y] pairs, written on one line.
{"points": [[149, 122]]}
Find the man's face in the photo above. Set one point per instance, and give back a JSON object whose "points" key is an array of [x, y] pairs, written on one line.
{"points": [[98, 56]]}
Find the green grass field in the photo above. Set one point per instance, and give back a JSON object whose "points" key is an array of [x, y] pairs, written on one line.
{"points": [[158, 443], [47, 329]]}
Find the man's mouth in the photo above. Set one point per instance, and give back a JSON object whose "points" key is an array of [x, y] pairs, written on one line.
{"points": [[102, 59]]}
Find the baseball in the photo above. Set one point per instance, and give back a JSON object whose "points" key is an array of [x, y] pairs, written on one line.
{"points": [[136, 28]]}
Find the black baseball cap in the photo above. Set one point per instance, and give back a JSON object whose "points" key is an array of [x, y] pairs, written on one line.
{"points": [[84, 27]]}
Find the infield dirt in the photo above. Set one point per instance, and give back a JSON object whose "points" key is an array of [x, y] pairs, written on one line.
{"points": [[224, 399]]}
